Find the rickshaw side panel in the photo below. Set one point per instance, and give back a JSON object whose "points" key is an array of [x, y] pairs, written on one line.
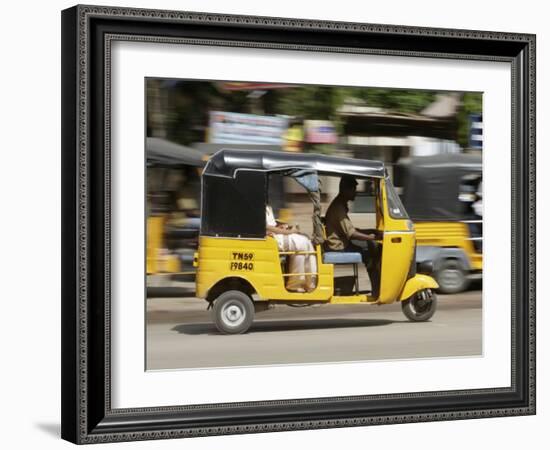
{"points": [[154, 242], [158, 263], [397, 253], [449, 235], [258, 262], [397, 256], [476, 261], [444, 234]]}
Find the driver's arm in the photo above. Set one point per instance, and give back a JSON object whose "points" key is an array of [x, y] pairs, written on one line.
{"points": [[360, 236], [372, 232], [354, 234]]}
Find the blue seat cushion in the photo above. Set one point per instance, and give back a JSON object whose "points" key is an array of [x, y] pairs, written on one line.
{"points": [[342, 258]]}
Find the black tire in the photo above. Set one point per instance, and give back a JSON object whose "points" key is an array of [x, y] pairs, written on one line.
{"points": [[421, 306], [451, 277], [233, 312]]}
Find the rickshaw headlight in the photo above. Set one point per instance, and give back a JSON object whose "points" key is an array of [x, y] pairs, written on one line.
{"points": [[410, 225]]}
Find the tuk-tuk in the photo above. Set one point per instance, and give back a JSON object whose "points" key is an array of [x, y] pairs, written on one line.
{"points": [[440, 193], [173, 214], [240, 269]]}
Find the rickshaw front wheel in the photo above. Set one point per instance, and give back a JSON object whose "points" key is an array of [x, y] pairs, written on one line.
{"points": [[233, 312], [420, 306]]}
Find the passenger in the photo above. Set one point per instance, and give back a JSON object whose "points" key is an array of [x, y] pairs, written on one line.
{"points": [[340, 232], [290, 239]]}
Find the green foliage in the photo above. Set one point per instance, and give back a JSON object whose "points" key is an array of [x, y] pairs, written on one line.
{"points": [[308, 102], [396, 100], [321, 102]]}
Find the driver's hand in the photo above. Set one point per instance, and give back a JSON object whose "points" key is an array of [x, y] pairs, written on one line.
{"points": [[375, 235]]}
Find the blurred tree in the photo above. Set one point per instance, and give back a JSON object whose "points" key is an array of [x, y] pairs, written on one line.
{"points": [[156, 117], [179, 110], [187, 105], [321, 102], [308, 102], [397, 100]]}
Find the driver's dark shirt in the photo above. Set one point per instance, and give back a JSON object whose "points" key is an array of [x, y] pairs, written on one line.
{"points": [[338, 225]]}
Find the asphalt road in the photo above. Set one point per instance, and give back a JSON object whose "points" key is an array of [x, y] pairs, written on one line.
{"points": [[181, 334]]}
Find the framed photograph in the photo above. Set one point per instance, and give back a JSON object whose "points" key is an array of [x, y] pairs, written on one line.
{"points": [[284, 224]]}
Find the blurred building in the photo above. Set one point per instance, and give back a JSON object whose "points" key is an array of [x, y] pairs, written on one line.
{"points": [[476, 131], [375, 133]]}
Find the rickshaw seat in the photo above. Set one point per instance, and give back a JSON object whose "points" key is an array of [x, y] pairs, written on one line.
{"points": [[353, 258], [342, 258]]}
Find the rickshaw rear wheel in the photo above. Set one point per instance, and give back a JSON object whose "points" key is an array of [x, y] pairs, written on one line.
{"points": [[233, 312], [420, 306], [451, 277]]}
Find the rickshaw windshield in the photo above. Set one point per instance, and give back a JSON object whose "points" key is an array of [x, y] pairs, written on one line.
{"points": [[395, 207]]}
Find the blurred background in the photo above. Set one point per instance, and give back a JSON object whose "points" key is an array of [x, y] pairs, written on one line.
{"points": [[431, 143]]}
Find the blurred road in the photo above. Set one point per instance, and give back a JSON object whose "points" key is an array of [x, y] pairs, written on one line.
{"points": [[181, 334]]}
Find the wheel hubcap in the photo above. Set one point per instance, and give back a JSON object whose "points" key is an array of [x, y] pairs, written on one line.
{"points": [[233, 314], [452, 278], [422, 302]]}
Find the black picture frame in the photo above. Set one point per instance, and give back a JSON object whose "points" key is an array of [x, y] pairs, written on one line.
{"points": [[87, 33]]}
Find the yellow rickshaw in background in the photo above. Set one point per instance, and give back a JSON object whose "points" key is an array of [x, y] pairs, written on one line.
{"points": [[440, 193], [240, 269], [173, 209]]}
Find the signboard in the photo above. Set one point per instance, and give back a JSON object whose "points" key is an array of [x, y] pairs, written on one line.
{"points": [[237, 128], [320, 132]]}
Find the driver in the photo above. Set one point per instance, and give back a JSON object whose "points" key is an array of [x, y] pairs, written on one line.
{"points": [[340, 232]]}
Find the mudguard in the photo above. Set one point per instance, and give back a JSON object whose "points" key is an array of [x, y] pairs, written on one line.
{"points": [[417, 283]]}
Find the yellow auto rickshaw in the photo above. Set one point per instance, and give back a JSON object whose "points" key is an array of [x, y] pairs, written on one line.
{"points": [[173, 214], [240, 269], [441, 193]]}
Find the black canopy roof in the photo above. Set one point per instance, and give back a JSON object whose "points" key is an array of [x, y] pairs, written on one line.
{"points": [[227, 162], [160, 152], [431, 184]]}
